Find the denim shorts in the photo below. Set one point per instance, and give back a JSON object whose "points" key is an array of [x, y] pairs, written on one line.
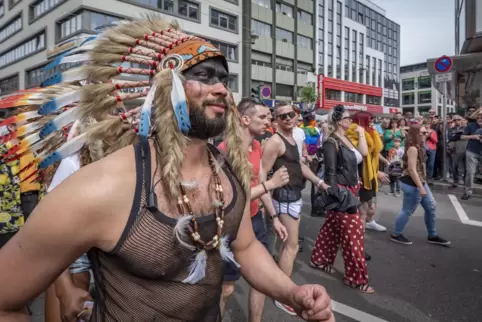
{"points": [[81, 265], [231, 272]]}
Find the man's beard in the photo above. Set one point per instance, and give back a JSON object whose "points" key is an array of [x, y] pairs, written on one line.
{"points": [[203, 128]]}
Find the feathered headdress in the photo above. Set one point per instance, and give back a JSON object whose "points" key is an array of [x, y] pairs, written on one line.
{"points": [[134, 61]]}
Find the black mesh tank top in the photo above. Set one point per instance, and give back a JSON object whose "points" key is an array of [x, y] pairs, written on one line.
{"points": [[291, 160], [141, 279]]}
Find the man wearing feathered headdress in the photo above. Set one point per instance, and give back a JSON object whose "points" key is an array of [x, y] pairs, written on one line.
{"points": [[159, 211]]}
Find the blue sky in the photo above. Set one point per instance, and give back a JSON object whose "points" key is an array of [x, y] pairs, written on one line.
{"points": [[427, 27]]}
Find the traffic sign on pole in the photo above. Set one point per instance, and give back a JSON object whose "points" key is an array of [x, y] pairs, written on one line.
{"points": [[266, 92], [443, 64]]}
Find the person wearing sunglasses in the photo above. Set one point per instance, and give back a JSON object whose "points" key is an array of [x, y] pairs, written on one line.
{"points": [[254, 117], [416, 191], [280, 151], [473, 155], [343, 226]]}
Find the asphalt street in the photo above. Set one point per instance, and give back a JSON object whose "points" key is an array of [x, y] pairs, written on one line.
{"points": [[421, 282]]}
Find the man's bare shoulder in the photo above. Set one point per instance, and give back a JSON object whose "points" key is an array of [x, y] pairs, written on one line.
{"points": [[111, 171], [98, 196], [273, 145]]}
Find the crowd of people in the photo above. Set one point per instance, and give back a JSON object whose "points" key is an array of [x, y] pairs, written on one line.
{"points": [[169, 204], [463, 145]]}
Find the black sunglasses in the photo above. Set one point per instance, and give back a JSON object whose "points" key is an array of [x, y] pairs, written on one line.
{"points": [[285, 116], [346, 118], [424, 132]]}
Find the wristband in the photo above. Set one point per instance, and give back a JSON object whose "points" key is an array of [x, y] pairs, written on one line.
{"points": [[275, 216], [264, 186], [320, 182]]}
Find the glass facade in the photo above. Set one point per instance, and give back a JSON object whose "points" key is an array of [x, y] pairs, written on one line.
{"points": [[382, 35]]}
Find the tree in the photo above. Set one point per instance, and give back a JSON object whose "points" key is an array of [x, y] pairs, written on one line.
{"points": [[308, 94]]}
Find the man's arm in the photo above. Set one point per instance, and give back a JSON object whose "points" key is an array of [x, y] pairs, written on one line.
{"points": [[73, 218], [271, 151], [259, 268]]}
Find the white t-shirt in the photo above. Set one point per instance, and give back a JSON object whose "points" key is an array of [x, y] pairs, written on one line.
{"points": [[67, 167], [299, 137]]}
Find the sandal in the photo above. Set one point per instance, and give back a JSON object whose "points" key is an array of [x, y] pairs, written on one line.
{"points": [[324, 268], [364, 288]]}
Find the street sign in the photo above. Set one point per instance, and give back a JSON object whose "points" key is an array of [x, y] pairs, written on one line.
{"points": [[443, 64], [266, 91], [445, 77]]}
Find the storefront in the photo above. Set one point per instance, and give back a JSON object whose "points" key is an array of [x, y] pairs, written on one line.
{"points": [[353, 96]]}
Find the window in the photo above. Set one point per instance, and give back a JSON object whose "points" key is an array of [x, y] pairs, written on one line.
{"points": [[374, 100], [346, 69], [10, 28], [374, 71], [230, 51], [85, 20], [233, 83], [305, 17], [284, 64], [13, 3], [71, 26], [25, 49], [188, 9], [332, 94], [408, 84], [39, 8], [408, 99], [9, 85], [367, 70], [98, 20], [424, 97], [304, 42], [164, 5], [284, 35], [353, 97], [379, 73], [261, 59], [37, 76], [260, 28], [262, 3], [424, 82], [284, 90], [224, 20], [284, 9], [2, 9], [304, 68]]}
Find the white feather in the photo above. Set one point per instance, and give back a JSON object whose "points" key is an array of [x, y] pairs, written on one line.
{"points": [[85, 47], [197, 269], [226, 253], [180, 231], [74, 75], [68, 98], [76, 58]]}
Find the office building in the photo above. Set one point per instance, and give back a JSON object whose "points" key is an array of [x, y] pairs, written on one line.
{"points": [[419, 94], [284, 52], [358, 57], [32, 33]]}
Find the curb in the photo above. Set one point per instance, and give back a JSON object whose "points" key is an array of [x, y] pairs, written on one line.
{"points": [[447, 187]]}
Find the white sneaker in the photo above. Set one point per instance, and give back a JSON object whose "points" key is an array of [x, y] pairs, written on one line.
{"points": [[372, 225]]}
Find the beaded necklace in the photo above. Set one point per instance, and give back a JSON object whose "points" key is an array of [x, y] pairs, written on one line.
{"points": [[184, 206]]}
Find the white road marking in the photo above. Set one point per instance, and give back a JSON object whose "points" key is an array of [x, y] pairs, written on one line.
{"points": [[461, 213], [354, 313]]}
